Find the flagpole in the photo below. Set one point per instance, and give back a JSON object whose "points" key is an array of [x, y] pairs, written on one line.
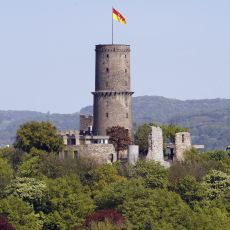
{"points": [[112, 25]]}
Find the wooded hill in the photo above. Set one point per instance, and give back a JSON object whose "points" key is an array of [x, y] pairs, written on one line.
{"points": [[208, 120]]}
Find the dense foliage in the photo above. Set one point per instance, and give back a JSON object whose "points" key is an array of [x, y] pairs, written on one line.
{"points": [[43, 192], [38, 135], [39, 191]]}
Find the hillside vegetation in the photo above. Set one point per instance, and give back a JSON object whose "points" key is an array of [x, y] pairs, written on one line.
{"points": [[208, 120]]}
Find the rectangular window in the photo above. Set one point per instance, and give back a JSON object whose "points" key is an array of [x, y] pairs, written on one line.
{"points": [[73, 141], [127, 115], [107, 115]]}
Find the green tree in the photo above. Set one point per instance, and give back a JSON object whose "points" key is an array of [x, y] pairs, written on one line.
{"points": [[103, 175], [190, 190], [194, 164], [158, 209], [41, 164], [6, 174], [30, 190], [113, 195], [210, 217], [68, 203], [141, 138], [39, 135], [217, 155], [119, 137], [153, 174], [12, 155], [216, 183], [20, 214]]}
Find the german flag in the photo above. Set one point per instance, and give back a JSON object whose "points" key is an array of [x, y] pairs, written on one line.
{"points": [[118, 17]]}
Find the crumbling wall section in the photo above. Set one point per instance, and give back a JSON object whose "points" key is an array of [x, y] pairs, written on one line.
{"points": [[182, 143], [155, 150]]}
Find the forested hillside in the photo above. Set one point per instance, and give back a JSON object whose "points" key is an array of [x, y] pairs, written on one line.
{"points": [[207, 120]]}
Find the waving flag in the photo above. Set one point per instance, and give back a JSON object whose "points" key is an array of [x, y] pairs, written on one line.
{"points": [[118, 17]]}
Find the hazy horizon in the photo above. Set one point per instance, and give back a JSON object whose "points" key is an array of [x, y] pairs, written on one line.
{"points": [[179, 50], [60, 112]]}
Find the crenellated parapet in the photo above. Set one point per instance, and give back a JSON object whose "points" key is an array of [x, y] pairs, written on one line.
{"points": [[112, 48]]}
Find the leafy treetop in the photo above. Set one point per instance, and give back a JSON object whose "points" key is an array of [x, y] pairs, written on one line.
{"points": [[38, 135]]}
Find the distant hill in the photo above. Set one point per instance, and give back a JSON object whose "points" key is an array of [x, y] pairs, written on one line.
{"points": [[208, 120], [11, 120]]}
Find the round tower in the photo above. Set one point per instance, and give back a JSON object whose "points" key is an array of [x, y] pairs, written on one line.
{"points": [[112, 96]]}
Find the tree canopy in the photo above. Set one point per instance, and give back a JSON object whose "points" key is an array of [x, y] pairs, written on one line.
{"points": [[39, 191], [38, 135]]}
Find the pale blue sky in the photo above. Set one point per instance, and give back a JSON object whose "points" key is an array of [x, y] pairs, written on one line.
{"points": [[179, 49]]}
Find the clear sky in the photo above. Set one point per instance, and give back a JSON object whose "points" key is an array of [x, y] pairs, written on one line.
{"points": [[179, 49]]}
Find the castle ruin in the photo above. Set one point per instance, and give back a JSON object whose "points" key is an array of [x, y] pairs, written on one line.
{"points": [[166, 153], [111, 107]]}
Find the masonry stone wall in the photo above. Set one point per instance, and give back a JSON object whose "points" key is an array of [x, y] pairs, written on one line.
{"points": [[133, 154], [68, 136], [112, 96], [85, 122], [155, 143], [102, 153], [182, 143]]}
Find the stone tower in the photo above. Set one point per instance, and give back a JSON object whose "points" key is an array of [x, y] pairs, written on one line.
{"points": [[112, 96]]}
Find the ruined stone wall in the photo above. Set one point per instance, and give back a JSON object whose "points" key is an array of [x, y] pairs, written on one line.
{"points": [[85, 122], [182, 143], [102, 153], [69, 134], [155, 143], [133, 154]]}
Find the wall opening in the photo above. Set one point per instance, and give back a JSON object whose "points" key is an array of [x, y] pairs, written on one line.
{"points": [[107, 115], [111, 158], [75, 154], [182, 138]]}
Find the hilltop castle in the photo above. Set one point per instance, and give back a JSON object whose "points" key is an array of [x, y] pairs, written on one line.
{"points": [[112, 106]]}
